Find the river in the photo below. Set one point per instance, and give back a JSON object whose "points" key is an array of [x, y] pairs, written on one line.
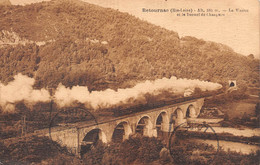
{"points": [[232, 146]]}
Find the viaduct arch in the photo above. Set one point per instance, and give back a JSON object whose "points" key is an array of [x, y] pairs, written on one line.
{"points": [[121, 132], [147, 123]]}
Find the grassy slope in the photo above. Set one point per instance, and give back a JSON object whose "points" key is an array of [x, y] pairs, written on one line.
{"points": [[136, 50]]}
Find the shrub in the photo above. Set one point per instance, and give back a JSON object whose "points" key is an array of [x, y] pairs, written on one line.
{"points": [[138, 149], [31, 150], [95, 155]]}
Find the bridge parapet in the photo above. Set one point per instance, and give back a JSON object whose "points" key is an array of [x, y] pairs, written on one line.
{"points": [[147, 123]]}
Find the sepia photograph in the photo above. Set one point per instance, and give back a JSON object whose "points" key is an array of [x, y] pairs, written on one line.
{"points": [[129, 82]]}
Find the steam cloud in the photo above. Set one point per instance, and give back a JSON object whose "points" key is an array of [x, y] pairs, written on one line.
{"points": [[107, 98], [21, 89]]}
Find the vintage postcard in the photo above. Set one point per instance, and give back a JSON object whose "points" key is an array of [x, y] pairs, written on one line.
{"points": [[138, 82]]}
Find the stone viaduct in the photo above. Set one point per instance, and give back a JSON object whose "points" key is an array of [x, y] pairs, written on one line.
{"points": [[147, 123]]}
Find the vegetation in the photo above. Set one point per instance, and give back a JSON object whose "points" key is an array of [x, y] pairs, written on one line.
{"points": [[228, 97], [136, 150], [5, 2], [246, 120], [35, 149], [36, 117], [230, 102], [144, 150], [103, 48], [230, 157], [202, 154], [40, 116]]}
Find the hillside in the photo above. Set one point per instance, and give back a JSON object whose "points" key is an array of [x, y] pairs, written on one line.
{"points": [[76, 43], [5, 2]]}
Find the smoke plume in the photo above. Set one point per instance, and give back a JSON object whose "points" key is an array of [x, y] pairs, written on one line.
{"points": [[21, 89], [107, 98]]}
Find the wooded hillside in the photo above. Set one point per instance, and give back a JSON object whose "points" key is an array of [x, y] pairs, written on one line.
{"points": [[83, 44]]}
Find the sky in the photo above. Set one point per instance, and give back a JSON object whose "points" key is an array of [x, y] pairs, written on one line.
{"points": [[238, 30]]}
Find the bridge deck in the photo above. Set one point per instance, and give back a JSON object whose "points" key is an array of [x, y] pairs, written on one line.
{"points": [[106, 119], [100, 120]]}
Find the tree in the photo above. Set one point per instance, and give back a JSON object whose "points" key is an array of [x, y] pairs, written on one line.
{"points": [[251, 56]]}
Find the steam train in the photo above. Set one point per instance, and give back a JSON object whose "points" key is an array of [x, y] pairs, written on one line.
{"points": [[121, 111]]}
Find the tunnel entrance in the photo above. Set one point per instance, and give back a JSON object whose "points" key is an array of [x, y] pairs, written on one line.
{"points": [[144, 126], [232, 84], [121, 132], [89, 141]]}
